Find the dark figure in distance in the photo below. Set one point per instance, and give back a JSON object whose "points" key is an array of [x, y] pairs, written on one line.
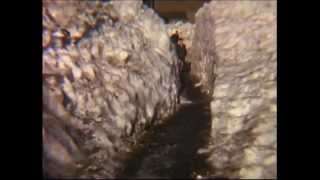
{"points": [[183, 66]]}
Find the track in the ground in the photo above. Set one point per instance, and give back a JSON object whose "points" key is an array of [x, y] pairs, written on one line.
{"points": [[170, 150]]}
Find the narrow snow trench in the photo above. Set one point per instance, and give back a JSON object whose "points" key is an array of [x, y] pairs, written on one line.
{"points": [[170, 150]]}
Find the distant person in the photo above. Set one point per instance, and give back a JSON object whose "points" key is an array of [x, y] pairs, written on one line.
{"points": [[183, 66], [175, 38]]}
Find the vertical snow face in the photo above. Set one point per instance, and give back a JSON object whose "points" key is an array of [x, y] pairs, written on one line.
{"points": [[108, 71], [239, 40]]}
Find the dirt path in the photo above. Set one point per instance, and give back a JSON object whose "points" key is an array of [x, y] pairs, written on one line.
{"points": [[170, 150]]}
